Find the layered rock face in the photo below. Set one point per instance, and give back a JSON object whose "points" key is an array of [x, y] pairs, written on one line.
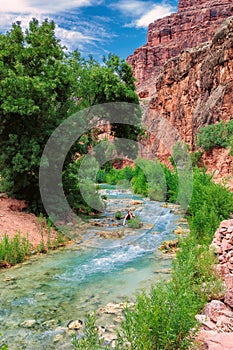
{"points": [[195, 22], [194, 89]]}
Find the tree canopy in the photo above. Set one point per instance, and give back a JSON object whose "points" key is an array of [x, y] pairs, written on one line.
{"points": [[41, 85]]}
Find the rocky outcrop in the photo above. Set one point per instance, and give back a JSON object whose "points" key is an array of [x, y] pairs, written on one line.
{"points": [[195, 22], [217, 317], [194, 89]]}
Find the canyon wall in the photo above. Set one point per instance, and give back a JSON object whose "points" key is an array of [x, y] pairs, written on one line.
{"points": [[195, 22], [194, 89]]}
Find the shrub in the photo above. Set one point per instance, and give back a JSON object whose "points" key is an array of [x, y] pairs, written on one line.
{"points": [[215, 135], [118, 215], [101, 176], [14, 250], [134, 223], [210, 204]]}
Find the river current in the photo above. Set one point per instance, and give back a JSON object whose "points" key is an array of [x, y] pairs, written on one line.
{"points": [[39, 298]]}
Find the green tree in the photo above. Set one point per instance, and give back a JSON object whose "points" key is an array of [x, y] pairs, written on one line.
{"points": [[35, 86], [40, 86]]}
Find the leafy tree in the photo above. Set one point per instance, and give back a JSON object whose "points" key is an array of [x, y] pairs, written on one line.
{"points": [[36, 86], [40, 86]]}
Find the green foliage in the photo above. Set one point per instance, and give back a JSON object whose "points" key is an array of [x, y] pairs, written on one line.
{"points": [[35, 92], [215, 135], [115, 176], [91, 341], [196, 158], [171, 177], [210, 204], [4, 346], [118, 215], [134, 223], [163, 318], [139, 183], [101, 176], [14, 250], [182, 162], [79, 184], [154, 180], [40, 87]]}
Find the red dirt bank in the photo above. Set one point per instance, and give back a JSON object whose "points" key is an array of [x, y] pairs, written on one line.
{"points": [[13, 220]]}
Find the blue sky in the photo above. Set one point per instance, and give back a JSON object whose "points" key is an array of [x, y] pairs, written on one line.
{"points": [[94, 27]]}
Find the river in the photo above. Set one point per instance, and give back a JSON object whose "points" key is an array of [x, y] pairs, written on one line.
{"points": [[38, 298]]}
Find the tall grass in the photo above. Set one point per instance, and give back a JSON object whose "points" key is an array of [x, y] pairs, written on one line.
{"points": [[13, 250]]}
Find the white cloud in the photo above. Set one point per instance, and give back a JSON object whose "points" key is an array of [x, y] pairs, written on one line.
{"points": [[86, 36], [157, 11], [73, 32], [44, 6], [74, 39], [130, 8], [143, 12]]}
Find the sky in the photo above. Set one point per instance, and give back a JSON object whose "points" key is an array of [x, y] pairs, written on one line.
{"points": [[95, 27]]}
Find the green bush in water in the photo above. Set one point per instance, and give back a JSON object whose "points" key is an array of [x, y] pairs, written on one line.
{"points": [[118, 215], [134, 222]]}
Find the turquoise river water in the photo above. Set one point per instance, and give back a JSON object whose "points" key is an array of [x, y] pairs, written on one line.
{"points": [[39, 298]]}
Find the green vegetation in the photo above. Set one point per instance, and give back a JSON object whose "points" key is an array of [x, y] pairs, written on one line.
{"points": [[14, 250], [216, 135], [118, 215], [134, 223], [114, 176], [41, 85], [165, 317], [3, 346], [92, 340]]}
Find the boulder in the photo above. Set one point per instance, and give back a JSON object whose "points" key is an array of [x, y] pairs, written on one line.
{"points": [[28, 324], [214, 309], [216, 341], [75, 325], [229, 298]]}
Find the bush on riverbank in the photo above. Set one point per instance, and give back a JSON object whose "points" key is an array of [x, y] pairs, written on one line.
{"points": [[210, 204], [13, 251]]}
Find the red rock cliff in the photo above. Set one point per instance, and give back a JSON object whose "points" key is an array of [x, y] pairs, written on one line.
{"points": [[195, 22], [194, 89]]}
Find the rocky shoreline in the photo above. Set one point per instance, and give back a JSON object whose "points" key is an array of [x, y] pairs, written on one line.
{"points": [[217, 317]]}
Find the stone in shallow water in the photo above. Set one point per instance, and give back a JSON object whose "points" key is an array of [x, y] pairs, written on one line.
{"points": [[28, 324], [75, 325], [58, 338]]}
